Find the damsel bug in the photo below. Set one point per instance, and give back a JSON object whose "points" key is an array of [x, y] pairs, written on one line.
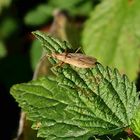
{"points": [[76, 59]]}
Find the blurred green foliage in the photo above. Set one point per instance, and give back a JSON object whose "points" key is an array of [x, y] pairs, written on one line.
{"points": [[39, 15], [35, 53], [43, 12], [7, 26], [3, 50], [112, 35], [4, 3]]}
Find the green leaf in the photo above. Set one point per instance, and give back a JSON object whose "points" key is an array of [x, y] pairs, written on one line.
{"points": [[63, 4], [74, 7], [3, 50], [7, 27], [39, 15], [43, 12], [110, 138], [4, 3], [77, 103], [35, 53], [112, 34], [136, 123], [82, 9]]}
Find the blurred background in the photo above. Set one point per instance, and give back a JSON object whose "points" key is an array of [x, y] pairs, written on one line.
{"points": [[102, 29]]}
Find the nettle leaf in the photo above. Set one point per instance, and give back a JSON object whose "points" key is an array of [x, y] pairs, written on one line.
{"points": [[78, 103], [136, 123], [112, 33]]}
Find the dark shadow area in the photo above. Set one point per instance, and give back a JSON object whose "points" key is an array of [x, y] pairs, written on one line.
{"points": [[15, 67]]}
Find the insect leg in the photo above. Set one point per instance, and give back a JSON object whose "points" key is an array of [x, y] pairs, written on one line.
{"points": [[58, 64]]}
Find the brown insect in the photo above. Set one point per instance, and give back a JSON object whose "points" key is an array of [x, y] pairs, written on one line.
{"points": [[76, 59]]}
